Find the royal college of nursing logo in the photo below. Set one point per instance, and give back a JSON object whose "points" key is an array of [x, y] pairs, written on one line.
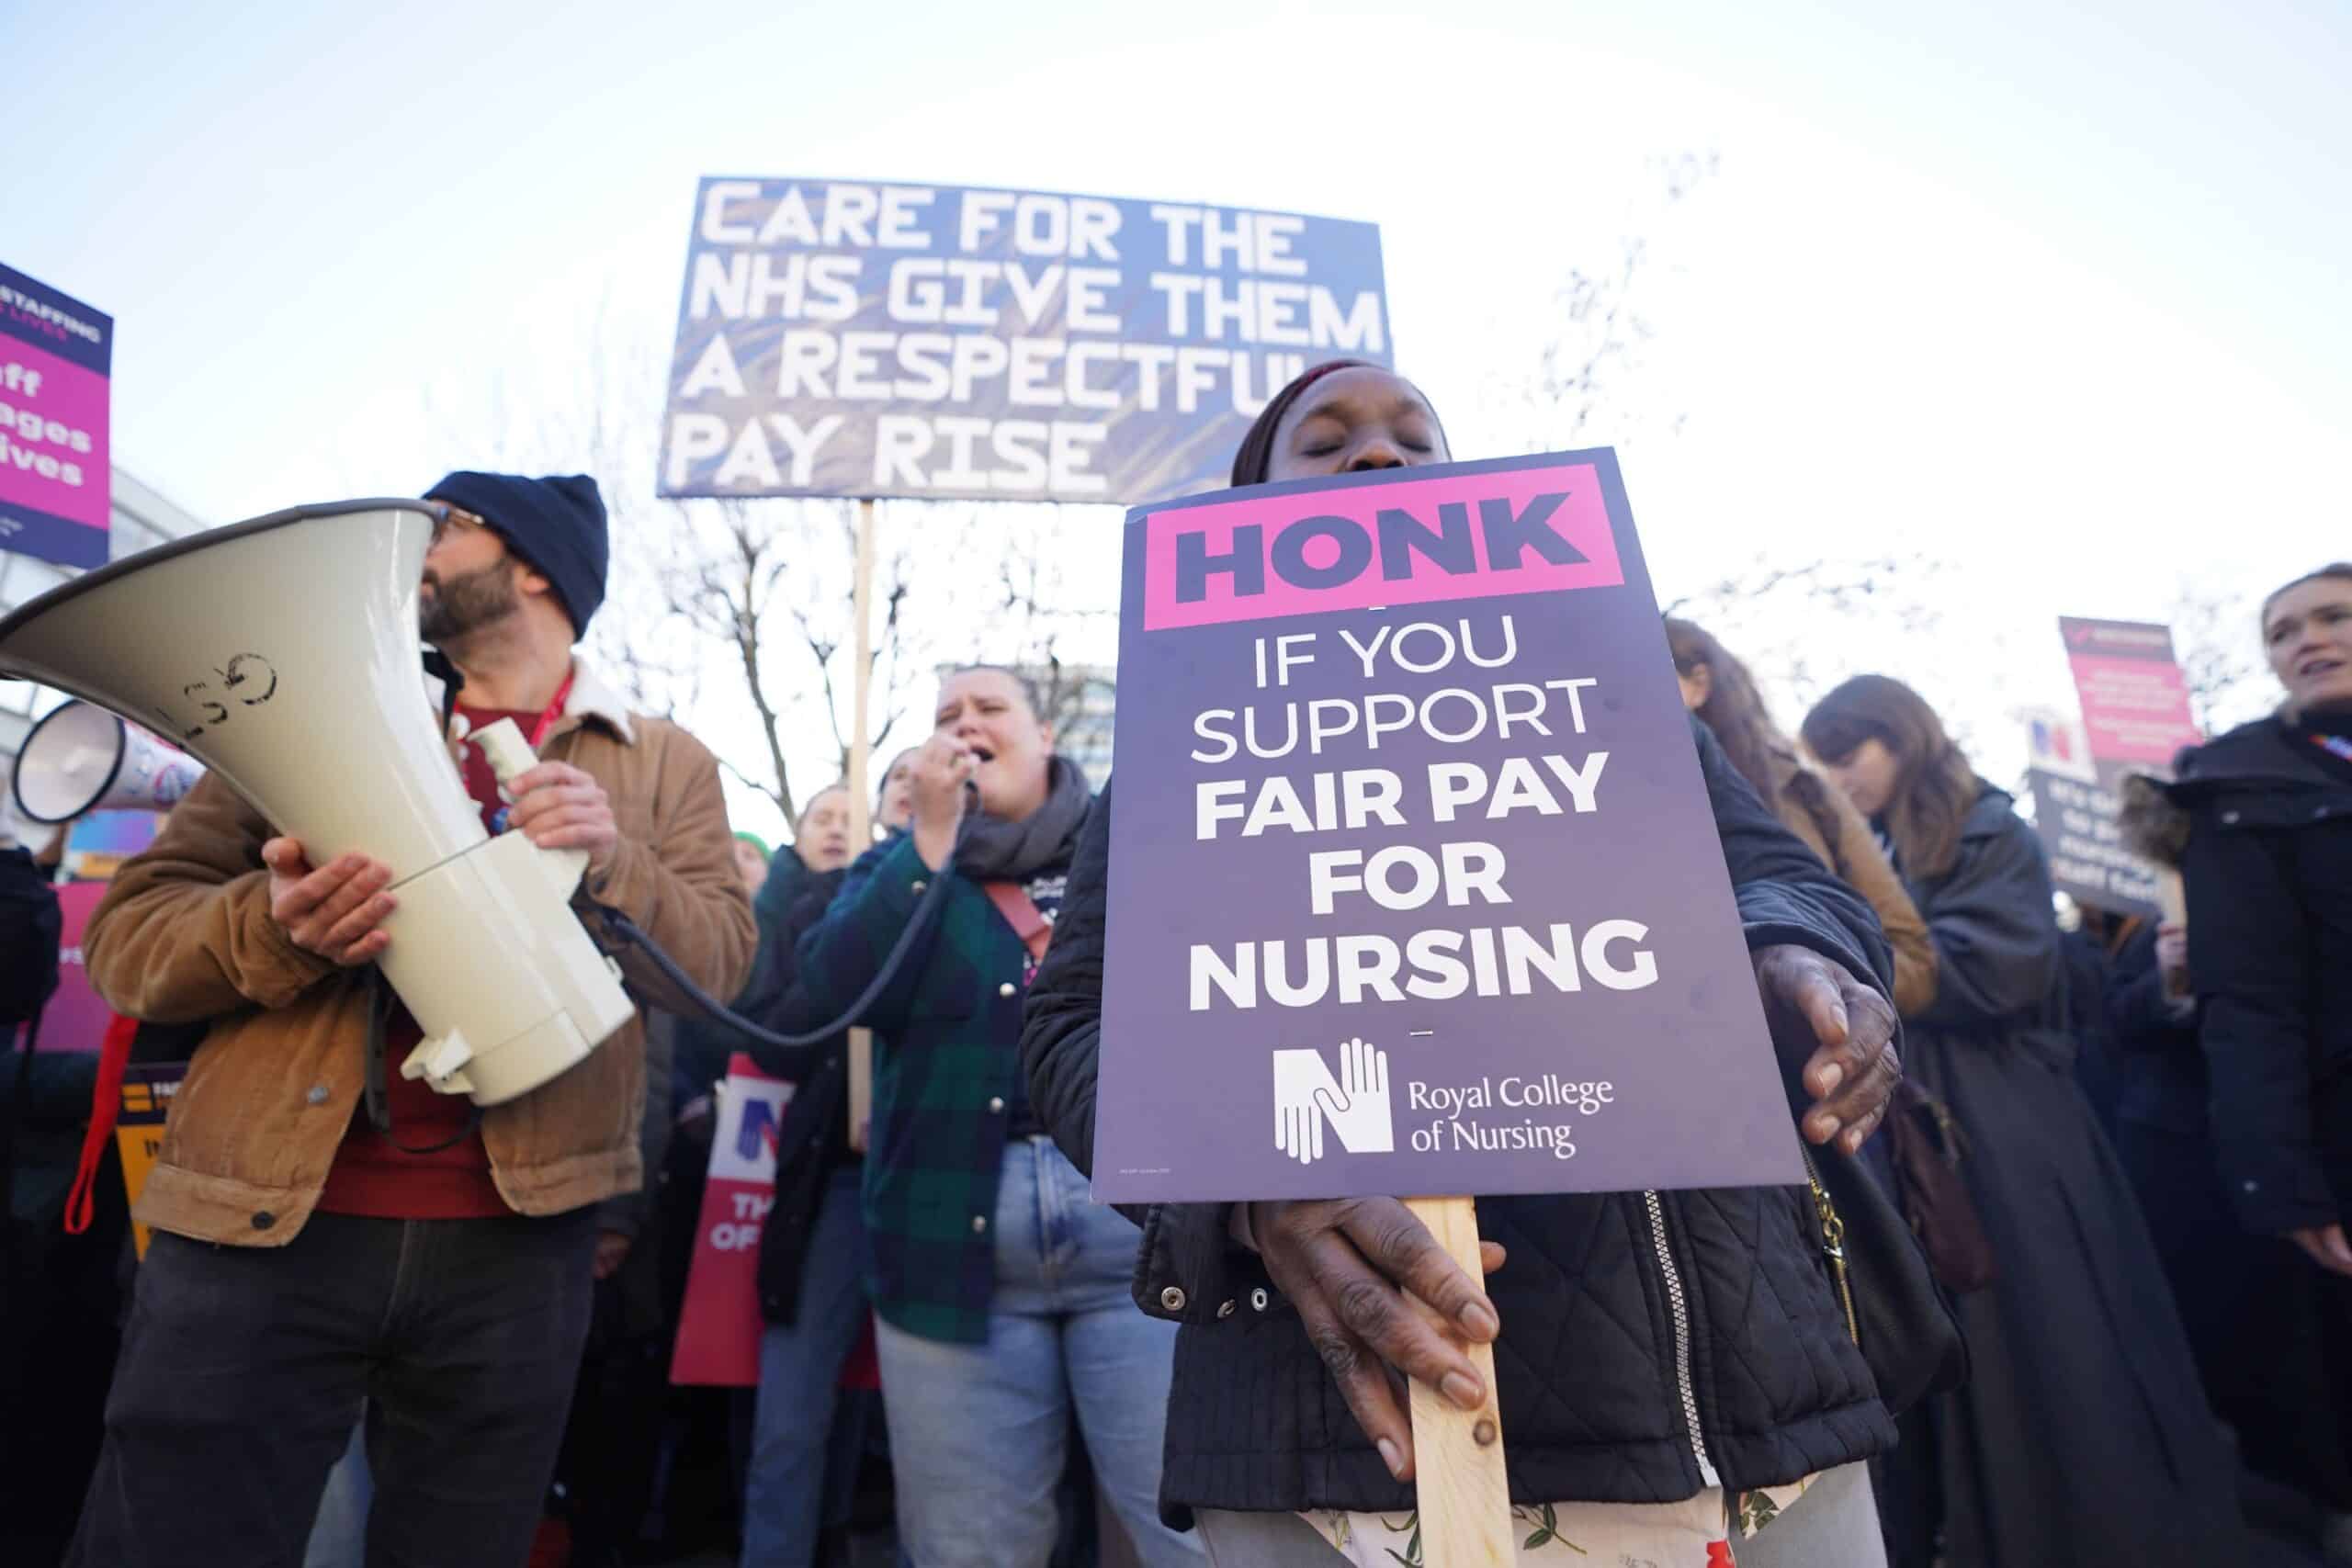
{"points": [[1353, 1105]]}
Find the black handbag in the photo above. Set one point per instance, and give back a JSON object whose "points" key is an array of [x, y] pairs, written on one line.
{"points": [[1927, 1146], [1897, 1314]]}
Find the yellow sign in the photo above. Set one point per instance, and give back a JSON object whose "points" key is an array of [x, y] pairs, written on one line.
{"points": [[147, 1090]]}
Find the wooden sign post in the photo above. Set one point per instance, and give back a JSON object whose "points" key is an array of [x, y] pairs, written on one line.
{"points": [[1462, 1491], [860, 807]]}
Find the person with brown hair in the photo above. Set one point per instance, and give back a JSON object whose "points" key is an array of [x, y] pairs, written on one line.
{"points": [[1000, 1294], [2268, 869], [2082, 1435], [1718, 688]]}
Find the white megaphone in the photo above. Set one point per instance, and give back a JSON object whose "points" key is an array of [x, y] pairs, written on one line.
{"points": [[282, 653], [79, 758]]}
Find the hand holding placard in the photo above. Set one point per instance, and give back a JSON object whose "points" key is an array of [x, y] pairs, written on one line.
{"points": [[1848, 1029], [1346, 1264]]}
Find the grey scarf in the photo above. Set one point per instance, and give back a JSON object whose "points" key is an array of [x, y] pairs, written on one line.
{"points": [[993, 850]]}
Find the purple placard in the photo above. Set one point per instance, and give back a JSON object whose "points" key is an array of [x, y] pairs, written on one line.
{"points": [[56, 483], [1548, 989]]}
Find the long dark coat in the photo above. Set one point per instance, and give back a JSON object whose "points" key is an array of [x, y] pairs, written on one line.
{"points": [[2083, 1436], [1592, 1397]]}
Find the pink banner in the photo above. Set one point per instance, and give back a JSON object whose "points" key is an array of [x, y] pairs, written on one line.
{"points": [[55, 478], [719, 1325], [2134, 697], [74, 1018], [53, 436], [1465, 535]]}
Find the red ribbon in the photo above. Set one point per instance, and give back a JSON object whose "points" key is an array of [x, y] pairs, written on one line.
{"points": [[105, 1103]]}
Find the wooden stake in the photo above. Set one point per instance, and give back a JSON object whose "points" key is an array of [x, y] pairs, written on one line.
{"points": [[860, 807], [1463, 1496], [2174, 898]]}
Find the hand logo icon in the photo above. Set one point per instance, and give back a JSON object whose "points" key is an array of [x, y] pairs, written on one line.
{"points": [[1355, 1103]]}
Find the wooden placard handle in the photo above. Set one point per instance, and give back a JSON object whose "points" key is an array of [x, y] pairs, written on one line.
{"points": [[2173, 898], [861, 804], [1464, 1495]]}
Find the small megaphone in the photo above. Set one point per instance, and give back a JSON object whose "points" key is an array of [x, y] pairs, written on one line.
{"points": [[282, 654], [79, 758]]}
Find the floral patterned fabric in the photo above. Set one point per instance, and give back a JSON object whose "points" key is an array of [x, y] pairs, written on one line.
{"points": [[1704, 1532]]}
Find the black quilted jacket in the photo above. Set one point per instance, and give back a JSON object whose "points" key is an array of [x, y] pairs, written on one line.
{"points": [[1609, 1392]]}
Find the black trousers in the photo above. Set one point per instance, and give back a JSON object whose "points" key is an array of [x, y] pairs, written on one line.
{"points": [[2272, 1332], [243, 1368]]}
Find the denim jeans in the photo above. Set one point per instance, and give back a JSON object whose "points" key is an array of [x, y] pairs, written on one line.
{"points": [[243, 1368], [978, 1431], [1834, 1525], [800, 1372], [339, 1535]]}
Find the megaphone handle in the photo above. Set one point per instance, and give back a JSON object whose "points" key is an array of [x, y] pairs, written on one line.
{"points": [[379, 1100], [509, 755]]}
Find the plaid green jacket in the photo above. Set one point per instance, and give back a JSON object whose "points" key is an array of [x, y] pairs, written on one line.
{"points": [[946, 1056]]}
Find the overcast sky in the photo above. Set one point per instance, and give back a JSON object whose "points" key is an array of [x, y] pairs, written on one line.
{"points": [[2057, 294]]}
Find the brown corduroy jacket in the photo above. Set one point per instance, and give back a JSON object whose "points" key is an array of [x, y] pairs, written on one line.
{"points": [[185, 933], [1853, 853]]}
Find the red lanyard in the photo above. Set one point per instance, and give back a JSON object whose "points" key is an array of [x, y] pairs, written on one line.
{"points": [[554, 711]]}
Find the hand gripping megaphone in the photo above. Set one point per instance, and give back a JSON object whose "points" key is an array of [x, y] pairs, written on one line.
{"points": [[79, 758], [282, 654]]}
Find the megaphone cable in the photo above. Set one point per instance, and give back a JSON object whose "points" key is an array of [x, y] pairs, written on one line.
{"points": [[626, 930]]}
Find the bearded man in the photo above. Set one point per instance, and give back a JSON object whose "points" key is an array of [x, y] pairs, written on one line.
{"points": [[319, 1246]]}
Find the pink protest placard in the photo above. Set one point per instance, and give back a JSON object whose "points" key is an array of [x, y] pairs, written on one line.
{"points": [[55, 477], [74, 1018], [2134, 697], [719, 1323]]}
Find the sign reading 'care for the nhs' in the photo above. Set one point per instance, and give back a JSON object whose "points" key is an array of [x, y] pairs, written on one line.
{"points": [[848, 338]]}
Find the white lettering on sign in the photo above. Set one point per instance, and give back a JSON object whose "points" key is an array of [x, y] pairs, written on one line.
{"points": [[994, 343]]}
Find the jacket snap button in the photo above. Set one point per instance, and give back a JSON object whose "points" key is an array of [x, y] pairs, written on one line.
{"points": [[996, 1105], [2229, 818], [1258, 1299], [1225, 1309], [1173, 1299], [918, 885], [979, 1223], [2253, 1186], [264, 1220], [1007, 989], [318, 1095]]}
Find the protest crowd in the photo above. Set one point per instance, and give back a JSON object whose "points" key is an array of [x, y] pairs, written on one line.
{"points": [[2094, 1303]]}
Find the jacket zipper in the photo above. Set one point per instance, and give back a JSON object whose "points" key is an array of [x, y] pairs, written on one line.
{"points": [[1833, 1244], [1681, 1308]]}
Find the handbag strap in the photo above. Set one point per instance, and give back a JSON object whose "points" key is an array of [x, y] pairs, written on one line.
{"points": [[1021, 914]]}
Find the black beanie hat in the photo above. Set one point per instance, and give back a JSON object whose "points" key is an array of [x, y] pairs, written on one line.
{"points": [[555, 524]]}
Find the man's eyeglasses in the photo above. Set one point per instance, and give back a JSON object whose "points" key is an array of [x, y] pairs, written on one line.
{"points": [[446, 518]]}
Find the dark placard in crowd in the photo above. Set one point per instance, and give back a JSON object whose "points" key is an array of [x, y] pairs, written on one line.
{"points": [[849, 338], [56, 483], [1415, 884], [2089, 862]]}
